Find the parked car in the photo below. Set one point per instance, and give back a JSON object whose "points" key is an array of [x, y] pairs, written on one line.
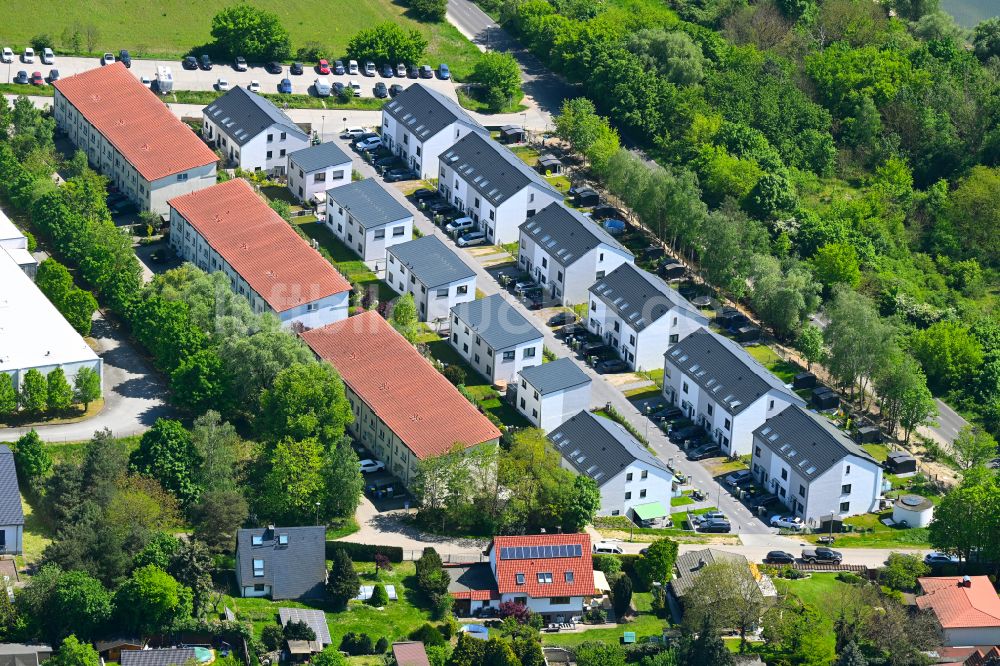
{"points": [[323, 67], [107, 59], [822, 554], [680, 434], [607, 548], [254, 86], [7, 55], [424, 193], [561, 319], [471, 238], [222, 85], [444, 72], [297, 68], [240, 64], [274, 68], [779, 557], [461, 224], [935, 558], [401, 70], [353, 133], [611, 365], [387, 71], [704, 451], [440, 208], [36, 79], [426, 72], [369, 68], [710, 515], [762, 501], [738, 477], [352, 67], [368, 466], [49, 58], [53, 75], [371, 143], [716, 527], [787, 522], [21, 77], [29, 56], [285, 87], [338, 89], [413, 72], [396, 175], [144, 80], [381, 91], [395, 89], [355, 87], [338, 67], [189, 62], [205, 62], [322, 86]]}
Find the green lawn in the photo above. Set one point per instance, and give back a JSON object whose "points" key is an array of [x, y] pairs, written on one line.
{"points": [[394, 622], [471, 98], [172, 28], [291, 101], [527, 154], [876, 534], [36, 535], [561, 183], [645, 624], [820, 592], [643, 392], [683, 500], [784, 370]]}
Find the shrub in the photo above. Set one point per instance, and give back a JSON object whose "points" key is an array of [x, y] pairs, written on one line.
{"points": [[902, 571], [454, 374], [355, 643], [791, 573], [427, 634], [381, 645], [595, 616], [850, 578], [272, 636], [607, 563], [363, 552], [297, 630], [380, 597]]}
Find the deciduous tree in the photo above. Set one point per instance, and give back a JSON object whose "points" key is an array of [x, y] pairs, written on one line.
{"points": [[500, 75], [973, 446], [8, 395], [249, 31], [34, 392], [387, 42], [152, 601], [86, 386], [32, 460], [306, 400], [404, 317], [60, 393], [167, 454]]}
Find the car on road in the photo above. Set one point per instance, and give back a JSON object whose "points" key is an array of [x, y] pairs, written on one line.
{"points": [[788, 522], [444, 72], [823, 555], [352, 67], [355, 87], [48, 57], [274, 67], [353, 133], [371, 143], [322, 86], [29, 56], [611, 366], [471, 238], [285, 86], [53, 75], [461, 224], [297, 68], [738, 477], [397, 175], [561, 319], [716, 527], [368, 466], [7, 55], [380, 90], [254, 86], [401, 70], [189, 62], [369, 68], [323, 67], [395, 89], [386, 71], [36, 79], [338, 67], [779, 557], [240, 64], [704, 451], [222, 85], [205, 62], [935, 558], [107, 59], [607, 548], [21, 77]]}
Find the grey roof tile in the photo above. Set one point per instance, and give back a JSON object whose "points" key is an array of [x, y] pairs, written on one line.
{"points": [[689, 564], [599, 448], [159, 657], [565, 234], [809, 443], [315, 619], [640, 298], [369, 203], [242, 115], [11, 512], [725, 370], [497, 322], [557, 375], [491, 169], [294, 570], [425, 112], [431, 261], [319, 157]]}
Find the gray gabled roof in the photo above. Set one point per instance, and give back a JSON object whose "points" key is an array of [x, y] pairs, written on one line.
{"points": [[557, 375], [242, 115], [725, 370], [691, 563], [566, 235], [497, 322], [159, 657], [599, 448], [431, 261], [319, 157], [640, 298], [315, 619], [491, 169], [294, 570], [809, 443], [11, 512], [369, 203], [425, 112]]}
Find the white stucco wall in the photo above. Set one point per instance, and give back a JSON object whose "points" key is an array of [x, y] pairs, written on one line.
{"points": [[304, 186]]}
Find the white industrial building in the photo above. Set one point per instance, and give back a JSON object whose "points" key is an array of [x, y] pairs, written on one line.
{"points": [[549, 394]]}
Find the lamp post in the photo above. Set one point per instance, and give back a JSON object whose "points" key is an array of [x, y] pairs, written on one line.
{"points": [[317, 513], [646, 410]]}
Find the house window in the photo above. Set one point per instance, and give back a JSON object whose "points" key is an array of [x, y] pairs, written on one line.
{"points": [[337, 175], [544, 577], [529, 352], [508, 356], [398, 231], [454, 337], [685, 387], [628, 477], [379, 234], [559, 276], [270, 138], [771, 405], [845, 489], [522, 403], [442, 293], [281, 153], [259, 587], [631, 340], [477, 202], [465, 347], [282, 539], [628, 495], [312, 307], [781, 491], [519, 578], [644, 475], [269, 154], [545, 262], [727, 424], [616, 512], [618, 327], [463, 290], [536, 395], [319, 177], [756, 451], [283, 136], [492, 216], [181, 176], [568, 577], [642, 493], [477, 358], [559, 601], [258, 567], [845, 507], [784, 475], [711, 408], [600, 274], [593, 305], [802, 490], [847, 470], [257, 540]]}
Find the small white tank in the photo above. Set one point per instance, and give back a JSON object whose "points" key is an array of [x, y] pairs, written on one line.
{"points": [[914, 510]]}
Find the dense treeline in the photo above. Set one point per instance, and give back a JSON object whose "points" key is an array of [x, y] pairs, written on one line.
{"points": [[802, 147]]}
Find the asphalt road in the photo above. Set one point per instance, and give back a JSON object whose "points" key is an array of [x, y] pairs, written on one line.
{"points": [[949, 422]]}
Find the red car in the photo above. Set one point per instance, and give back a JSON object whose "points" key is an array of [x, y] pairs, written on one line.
{"points": [[323, 67], [37, 80]]}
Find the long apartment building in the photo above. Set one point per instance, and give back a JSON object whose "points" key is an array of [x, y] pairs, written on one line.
{"points": [[228, 227], [131, 137]]}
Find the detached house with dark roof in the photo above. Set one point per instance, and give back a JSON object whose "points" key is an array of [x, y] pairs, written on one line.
{"points": [[493, 186], [495, 338], [550, 393], [252, 133], [314, 170], [281, 562], [722, 388], [640, 316], [815, 469], [565, 252], [11, 512], [367, 218], [633, 481], [420, 123], [437, 277]]}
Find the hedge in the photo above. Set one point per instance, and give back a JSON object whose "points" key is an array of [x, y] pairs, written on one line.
{"points": [[364, 552]]}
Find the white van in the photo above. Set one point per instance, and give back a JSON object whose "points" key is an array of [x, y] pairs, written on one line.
{"points": [[164, 80], [606, 548]]}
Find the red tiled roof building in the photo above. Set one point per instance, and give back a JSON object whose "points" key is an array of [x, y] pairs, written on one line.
{"points": [[966, 607]]}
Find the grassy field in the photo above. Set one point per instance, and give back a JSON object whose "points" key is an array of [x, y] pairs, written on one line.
{"points": [[784, 370], [470, 98], [644, 624], [291, 101], [172, 28], [876, 534]]}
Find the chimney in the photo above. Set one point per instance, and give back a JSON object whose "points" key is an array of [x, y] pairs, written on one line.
{"points": [[702, 563], [965, 582]]}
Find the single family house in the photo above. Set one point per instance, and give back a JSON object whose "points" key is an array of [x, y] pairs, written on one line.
{"points": [[433, 273], [314, 170], [281, 562], [967, 608], [549, 394], [367, 219], [496, 339]]}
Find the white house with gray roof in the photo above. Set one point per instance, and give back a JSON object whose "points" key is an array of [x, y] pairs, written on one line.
{"points": [[420, 123], [565, 252], [431, 271], [815, 469], [11, 512], [550, 393], [367, 218], [493, 186], [314, 170], [628, 475], [252, 133], [495, 338], [721, 387], [640, 315], [281, 562]]}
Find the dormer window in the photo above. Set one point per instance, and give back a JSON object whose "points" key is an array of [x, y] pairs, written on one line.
{"points": [[258, 567], [257, 540], [519, 578], [282, 539]]}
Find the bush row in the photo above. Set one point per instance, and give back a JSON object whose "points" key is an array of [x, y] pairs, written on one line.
{"points": [[364, 552]]}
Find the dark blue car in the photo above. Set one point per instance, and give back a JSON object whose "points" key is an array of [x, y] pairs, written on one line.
{"points": [[285, 87]]}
